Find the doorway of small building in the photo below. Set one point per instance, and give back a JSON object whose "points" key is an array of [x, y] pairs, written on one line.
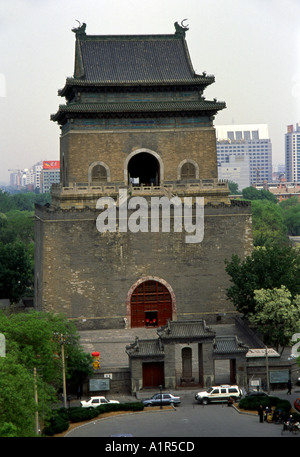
{"points": [[153, 374], [150, 304], [225, 371], [143, 169]]}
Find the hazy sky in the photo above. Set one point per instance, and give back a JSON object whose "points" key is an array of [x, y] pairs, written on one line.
{"points": [[251, 46]]}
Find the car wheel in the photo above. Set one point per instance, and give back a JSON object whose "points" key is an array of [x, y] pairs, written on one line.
{"points": [[205, 401]]}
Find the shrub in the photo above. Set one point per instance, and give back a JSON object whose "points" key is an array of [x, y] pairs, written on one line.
{"points": [[79, 414], [61, 418], [252, 403], [58, 423], [131, 406]]}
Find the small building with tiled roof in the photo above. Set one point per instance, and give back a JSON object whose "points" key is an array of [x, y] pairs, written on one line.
{"points": [[184, 354]]}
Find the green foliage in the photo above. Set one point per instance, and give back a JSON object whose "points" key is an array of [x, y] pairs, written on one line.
{"points": [[17, 243], [23, 201], [16, 272], [233, 188], [252, 403], [291, 215], [17, 405], [59, 421], [251, 193], [32, 342], [276, 315], [79, 414], [268, 223], [267, 267], [8, 430]]}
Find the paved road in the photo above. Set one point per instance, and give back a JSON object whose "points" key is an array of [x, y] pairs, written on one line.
{"points": [[188, 420]]}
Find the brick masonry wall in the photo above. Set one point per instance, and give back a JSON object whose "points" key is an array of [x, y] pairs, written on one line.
{"points": [[80, 149], [87, 275]]}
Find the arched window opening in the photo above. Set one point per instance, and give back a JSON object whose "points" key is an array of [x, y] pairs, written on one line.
{"points": [[143, 169], [150, 305], [99, 174], [188, 171]]}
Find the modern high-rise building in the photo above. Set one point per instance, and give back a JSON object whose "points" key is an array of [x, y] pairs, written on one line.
{"points": [[292, 153], [50, 174], [237, 170], [250, 140]]}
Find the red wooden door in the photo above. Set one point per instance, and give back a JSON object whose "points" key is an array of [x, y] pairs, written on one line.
{"points": [[151, 304], [153, 374]]}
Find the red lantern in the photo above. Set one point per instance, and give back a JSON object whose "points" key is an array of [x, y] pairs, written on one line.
{"points": [[96, 361]]}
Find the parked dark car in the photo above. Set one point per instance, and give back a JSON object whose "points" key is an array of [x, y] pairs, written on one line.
{"points": [[162, 399], [257, 393]]}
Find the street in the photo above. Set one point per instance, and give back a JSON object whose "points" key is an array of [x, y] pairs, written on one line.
{"points": [[188, 420]]}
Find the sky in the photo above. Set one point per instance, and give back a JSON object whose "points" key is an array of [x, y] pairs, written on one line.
{"points": [[252, 47]]}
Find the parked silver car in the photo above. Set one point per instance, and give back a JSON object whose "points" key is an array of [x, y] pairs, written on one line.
{"points": [[162, 399]]}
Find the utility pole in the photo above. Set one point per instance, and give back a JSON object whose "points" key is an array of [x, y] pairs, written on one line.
{"points": [[267, 370], [61, 339], [37, 431], [63, 370]]}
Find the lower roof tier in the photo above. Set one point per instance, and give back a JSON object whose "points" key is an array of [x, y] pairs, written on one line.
{"points": [[72, 110]]}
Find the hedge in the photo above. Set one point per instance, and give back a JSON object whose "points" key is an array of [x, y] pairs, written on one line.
{"points": [[62, 417], [252, 403]]}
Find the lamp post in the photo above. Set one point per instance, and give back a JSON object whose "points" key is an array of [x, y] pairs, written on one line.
{"points": [[63, 370], [61, 339], [160, 389], [267, 370], [36, 402]]}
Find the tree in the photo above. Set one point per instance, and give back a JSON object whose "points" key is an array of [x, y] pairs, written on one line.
{"points": [[233, 188], [251, 193], [291, 215], [267, 223], [17, 405], [267, 267], [15, 270], [276, 315], [32, 343]]}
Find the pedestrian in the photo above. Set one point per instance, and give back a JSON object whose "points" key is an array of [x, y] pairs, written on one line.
{"points": [[289, 386], [261, 413]]}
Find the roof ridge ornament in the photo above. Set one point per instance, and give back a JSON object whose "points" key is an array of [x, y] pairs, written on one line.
{"points": [[80, 30], [181, 29]]}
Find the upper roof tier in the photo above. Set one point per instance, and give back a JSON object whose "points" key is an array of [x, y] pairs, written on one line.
{"points": [[133, 60], [110, 69]]}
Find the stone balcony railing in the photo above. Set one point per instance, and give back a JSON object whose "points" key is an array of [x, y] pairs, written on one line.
{"points": [[85, 194]]}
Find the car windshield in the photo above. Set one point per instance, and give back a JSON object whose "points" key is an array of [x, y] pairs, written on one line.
{"points": [[210, 390]]}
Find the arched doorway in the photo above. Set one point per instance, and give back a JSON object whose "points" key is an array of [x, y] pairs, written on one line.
{"points": [[143, 169], [150, 304]]}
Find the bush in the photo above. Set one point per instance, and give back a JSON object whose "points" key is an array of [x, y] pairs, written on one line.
{"points": [[131, 406], [58, 423], [79, 414], [61, 418], [252, 403]]}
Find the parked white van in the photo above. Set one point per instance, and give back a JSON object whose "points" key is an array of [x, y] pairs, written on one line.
{"points": [[219, 394]]}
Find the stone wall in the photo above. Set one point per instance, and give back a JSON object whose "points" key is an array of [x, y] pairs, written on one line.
{"points": [[80, 148], [88, 275]]}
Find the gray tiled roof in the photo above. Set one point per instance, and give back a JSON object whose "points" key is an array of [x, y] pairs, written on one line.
{"points": [[200, 105], [144, 348], [133, 58], [191, 329], [229, 344]]}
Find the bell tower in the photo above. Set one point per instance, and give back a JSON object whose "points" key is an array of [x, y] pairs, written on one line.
{"points": [[135, 120]]}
